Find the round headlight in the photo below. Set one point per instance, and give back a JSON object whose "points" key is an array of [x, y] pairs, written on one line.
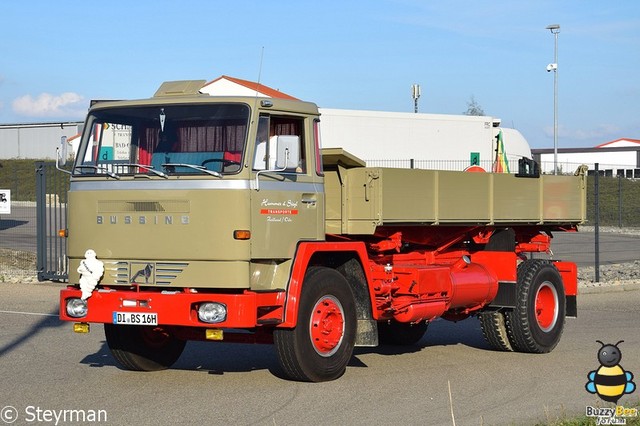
{"points": [[77, 308], [212, 312]]}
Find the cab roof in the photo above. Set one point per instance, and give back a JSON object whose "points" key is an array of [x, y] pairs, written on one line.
{"points": [[188, 92]]}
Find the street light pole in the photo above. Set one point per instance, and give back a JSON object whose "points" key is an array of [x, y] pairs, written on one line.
{"points": [[555, 30]]}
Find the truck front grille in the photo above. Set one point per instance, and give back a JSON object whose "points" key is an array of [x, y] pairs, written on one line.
{"points": [[145, 273]]}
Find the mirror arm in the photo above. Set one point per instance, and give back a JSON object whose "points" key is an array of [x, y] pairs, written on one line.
{"points": [[267, 171], [58, 162]]}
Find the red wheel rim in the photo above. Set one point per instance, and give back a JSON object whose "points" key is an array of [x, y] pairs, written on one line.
{"points": [[546, 307], [327, 326]]}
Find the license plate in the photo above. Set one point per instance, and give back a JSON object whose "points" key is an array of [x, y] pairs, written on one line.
{"points": [[135, 318]]}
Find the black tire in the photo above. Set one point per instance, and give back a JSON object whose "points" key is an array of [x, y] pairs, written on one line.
{"points": [[401, 334], [143, 348], [320, 346], [494, 329], [537, 322]]}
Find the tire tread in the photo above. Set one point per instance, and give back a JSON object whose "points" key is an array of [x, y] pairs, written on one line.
{"points": [[494, 329]]}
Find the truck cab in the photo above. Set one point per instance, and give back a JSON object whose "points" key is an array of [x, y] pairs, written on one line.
{"points": [[200, 191]]}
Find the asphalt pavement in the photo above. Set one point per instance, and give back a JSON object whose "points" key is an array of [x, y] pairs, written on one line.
{"points": [[47, 369]]}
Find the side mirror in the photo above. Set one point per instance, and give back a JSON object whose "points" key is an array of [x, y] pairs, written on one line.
{"points": [[287, 156], [288, 152], [62, 154]]}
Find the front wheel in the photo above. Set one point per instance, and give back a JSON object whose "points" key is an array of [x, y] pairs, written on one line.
{"points": [[537, 322], [320, 346], [143, 348]]}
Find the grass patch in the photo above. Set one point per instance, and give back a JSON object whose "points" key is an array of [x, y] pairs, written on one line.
{"points": [[619, 201], [20, 177], [590, 421]]}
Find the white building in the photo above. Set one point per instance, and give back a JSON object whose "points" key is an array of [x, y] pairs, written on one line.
{"points": [[400, 139], [616, 158], [36, 141], [231, 86]]}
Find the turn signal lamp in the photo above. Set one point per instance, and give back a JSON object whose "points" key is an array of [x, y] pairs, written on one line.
{"points": [[63, 233], [242, 234], [81, 327], [212, 334]]}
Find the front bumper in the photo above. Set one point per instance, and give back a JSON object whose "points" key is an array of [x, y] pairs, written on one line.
{"points": [[244, 310]]}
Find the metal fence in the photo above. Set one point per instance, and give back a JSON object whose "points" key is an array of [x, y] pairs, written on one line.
{"points": [[487, 165], [52, 187], [30, 246]]}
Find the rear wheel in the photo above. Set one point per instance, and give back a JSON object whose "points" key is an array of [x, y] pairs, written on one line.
{"points": [[320, 346], [143, 348], [537, 322], [494, 329], [401, 334]]}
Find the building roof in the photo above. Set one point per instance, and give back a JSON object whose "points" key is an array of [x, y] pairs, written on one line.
{"points": [[260, 89], [620, 143]]}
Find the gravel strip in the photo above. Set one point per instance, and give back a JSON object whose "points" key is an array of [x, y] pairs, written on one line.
{"points": [[621, 274]]}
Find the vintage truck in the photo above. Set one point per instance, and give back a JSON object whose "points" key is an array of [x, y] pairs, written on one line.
{"points": [[221, 219]]}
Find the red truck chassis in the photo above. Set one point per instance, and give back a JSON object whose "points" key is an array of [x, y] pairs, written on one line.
{"points": [[450, 272]]}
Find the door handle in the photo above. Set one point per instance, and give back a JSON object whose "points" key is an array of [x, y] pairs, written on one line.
{"points": [[309, 199]]}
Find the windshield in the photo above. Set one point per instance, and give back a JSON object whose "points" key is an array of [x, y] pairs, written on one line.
{"points": [[164, 140]]}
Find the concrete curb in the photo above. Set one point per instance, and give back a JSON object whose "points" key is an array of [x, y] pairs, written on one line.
{"points": [[611, 288]]}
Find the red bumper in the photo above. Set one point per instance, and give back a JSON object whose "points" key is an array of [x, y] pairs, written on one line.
{"points": [[246, 310]]}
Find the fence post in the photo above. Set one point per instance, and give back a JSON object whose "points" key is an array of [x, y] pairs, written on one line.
{"points": [[596, 194], [619, 201], [41, 221]]}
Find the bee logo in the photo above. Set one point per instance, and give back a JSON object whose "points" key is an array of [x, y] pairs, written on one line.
{"points": [[610, 381]]}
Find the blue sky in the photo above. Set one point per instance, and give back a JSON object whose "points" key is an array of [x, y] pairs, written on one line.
{"points": [[57, 56]]}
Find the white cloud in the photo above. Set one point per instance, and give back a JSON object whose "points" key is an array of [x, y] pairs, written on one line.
{"points": [[67, 104]]}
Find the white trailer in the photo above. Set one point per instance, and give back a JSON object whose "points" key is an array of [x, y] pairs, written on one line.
{"points": [[432, 141]]}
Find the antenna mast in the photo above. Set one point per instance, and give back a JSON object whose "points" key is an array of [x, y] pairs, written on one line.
{"points": [[415, 94]]}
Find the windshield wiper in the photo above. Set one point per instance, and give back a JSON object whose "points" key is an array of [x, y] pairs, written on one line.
{"points": [[103, 169], [194, 167], [147, 168]]}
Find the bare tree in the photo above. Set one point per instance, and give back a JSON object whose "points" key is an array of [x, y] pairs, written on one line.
{"points": [[473, 107]]}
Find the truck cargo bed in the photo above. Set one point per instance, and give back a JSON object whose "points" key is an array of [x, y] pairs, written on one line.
{"points": [[360, 199]]}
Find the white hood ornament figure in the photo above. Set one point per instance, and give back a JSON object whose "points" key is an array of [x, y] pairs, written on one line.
{"points": [[90, 270]]}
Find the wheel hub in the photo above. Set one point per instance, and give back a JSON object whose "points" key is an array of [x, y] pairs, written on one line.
{"points": [[546, 307], [327, 326]]}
